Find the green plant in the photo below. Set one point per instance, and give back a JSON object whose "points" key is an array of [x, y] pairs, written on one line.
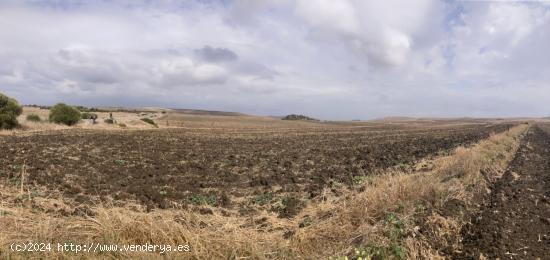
{"points": [[16, 167], [198, 199], [403, 165], [33, 118], [263, 199], [109, 121], [360, 179], [120, 162], [307, 221], [149, 121], [9, 111], [397, 227], [394, 250], [284, 204], [88, 115], [122, 125], [398, 251], [4, 213], [64, 114], [15, 181]]}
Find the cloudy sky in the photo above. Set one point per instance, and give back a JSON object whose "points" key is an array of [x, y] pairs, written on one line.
{"points": [[331, 59]]}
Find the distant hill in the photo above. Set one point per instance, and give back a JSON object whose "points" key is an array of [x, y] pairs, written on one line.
{"points": [[206, 112], [298, 117]]}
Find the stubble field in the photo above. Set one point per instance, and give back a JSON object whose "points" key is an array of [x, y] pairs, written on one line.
{"points": [[255, 187]]}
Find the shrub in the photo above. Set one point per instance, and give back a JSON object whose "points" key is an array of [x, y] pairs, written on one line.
{"points": [[33, 118], [89, 116], [149, 121], [64, 114], [122, 125], [108, 121], [298, 117], [9, 111], [86, 115]]}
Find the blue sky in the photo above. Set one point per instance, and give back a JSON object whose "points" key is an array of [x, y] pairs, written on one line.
{"points": [[346, 59]]}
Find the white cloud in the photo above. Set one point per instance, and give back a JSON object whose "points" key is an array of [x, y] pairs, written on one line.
{"points": [[365, 58]]}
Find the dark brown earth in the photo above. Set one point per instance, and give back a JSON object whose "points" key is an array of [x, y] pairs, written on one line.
{"points": [[514, 222], [171, 168]]}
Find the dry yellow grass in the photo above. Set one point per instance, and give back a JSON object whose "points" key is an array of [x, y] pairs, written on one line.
{"points": [[382, 217], [131, 120], [361, 218]]}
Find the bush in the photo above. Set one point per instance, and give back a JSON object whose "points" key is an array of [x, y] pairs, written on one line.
{"points": [[108, 121], [33, 118], [298, 117], [149, 121], [87, 115], [64, 114], [9, 111], [122, 125]]}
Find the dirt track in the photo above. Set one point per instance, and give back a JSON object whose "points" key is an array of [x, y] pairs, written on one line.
{"points": [[514, 223]]}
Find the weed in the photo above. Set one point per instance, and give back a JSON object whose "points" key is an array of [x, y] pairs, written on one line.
{"points": [[395, 235], [15, 181], [263, 199], [120, 162], [400, 208], [307, 221], [397, 227], [398, 251], [280, 205], [198, 199], [4, 213], [420, 208], [16, 167], [360, 180]]}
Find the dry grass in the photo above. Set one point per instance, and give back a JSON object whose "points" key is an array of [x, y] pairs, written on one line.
{"points": [[362, 219], [383, 219], [131, 120]]}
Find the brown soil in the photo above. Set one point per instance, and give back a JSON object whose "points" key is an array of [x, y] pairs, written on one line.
{"points": [[172, 168], [514, 222]]}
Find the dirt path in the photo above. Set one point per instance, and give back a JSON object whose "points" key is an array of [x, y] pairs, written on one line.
{"points": [[514, 223]]}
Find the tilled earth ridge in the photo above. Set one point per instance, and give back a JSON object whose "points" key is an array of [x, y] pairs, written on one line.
{"points": [[514, 223]]}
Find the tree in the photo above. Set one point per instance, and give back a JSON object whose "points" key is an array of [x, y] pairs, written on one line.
{"points": [[9, 111], [64, 114]]}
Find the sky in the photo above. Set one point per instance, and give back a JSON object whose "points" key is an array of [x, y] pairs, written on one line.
{"points": [[329, 59]]}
